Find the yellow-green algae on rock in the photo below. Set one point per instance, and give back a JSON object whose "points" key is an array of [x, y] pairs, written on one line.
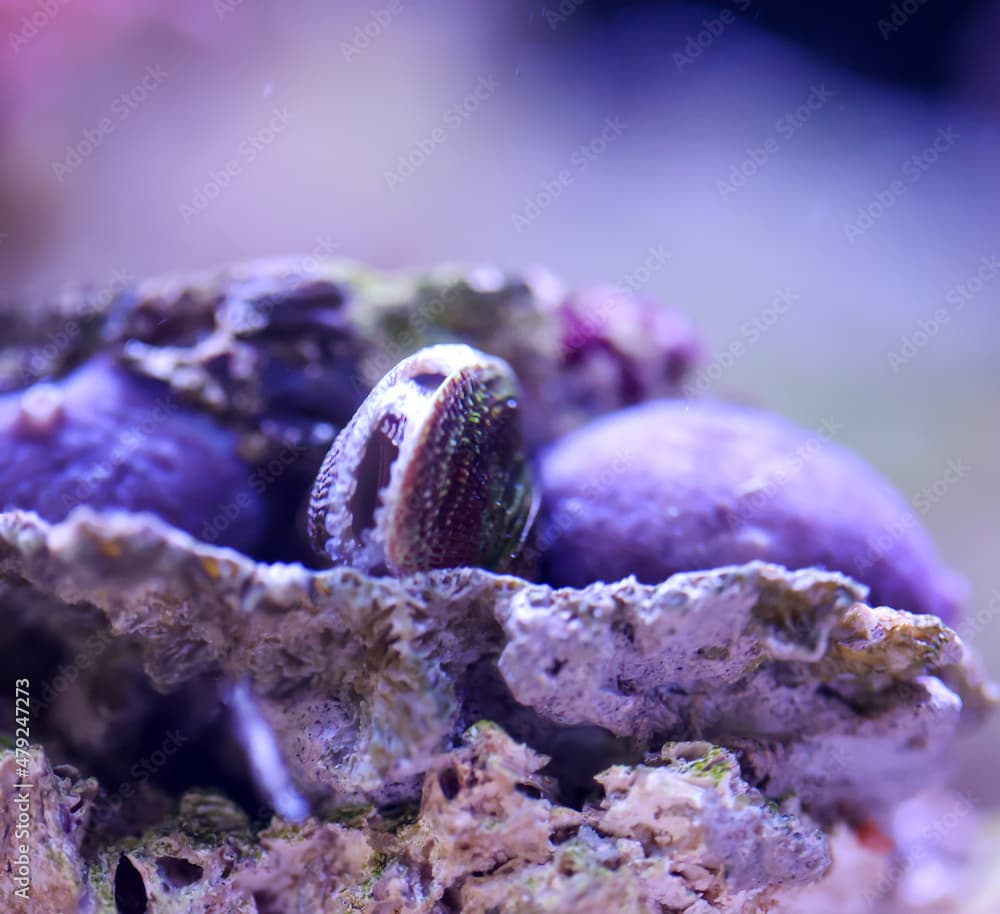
{"points": [[808, 704]]}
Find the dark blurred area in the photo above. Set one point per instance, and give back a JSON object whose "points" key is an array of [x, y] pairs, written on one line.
{"points": [[860, 35]]}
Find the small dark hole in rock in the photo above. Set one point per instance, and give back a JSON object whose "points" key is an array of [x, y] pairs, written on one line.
{"points": [[715, 652], [556, 667], [395, 810], [450, 785], [130, 890], [529, 790], [429, 381], [562, 835], [177, 872], [625, 687], [857, 707], [267, 903]]}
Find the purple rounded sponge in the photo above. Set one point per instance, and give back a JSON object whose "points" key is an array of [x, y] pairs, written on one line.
{"points": [[688, 485], [106, 438]]}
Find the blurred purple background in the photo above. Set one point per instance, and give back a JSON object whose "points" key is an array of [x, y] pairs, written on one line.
{"points": [[817, 186]]}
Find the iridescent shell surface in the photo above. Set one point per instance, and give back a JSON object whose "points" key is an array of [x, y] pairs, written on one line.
{"points": [[431, 472]]}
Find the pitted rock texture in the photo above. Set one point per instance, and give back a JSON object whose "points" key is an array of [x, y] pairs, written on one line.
{"points": [[681, 746], [363, 679], [679, 833]]}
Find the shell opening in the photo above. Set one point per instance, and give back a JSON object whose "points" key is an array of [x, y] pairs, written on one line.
{"points": [[429, 381], [374, 470]]}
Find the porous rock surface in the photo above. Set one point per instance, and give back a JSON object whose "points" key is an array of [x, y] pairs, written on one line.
{"points": [[453, 741], [682, 832], [364, 679]]}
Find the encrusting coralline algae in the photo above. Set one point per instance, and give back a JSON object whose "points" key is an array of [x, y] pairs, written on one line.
{"points": [[438, 739], [677, 485], [105, 438]]}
